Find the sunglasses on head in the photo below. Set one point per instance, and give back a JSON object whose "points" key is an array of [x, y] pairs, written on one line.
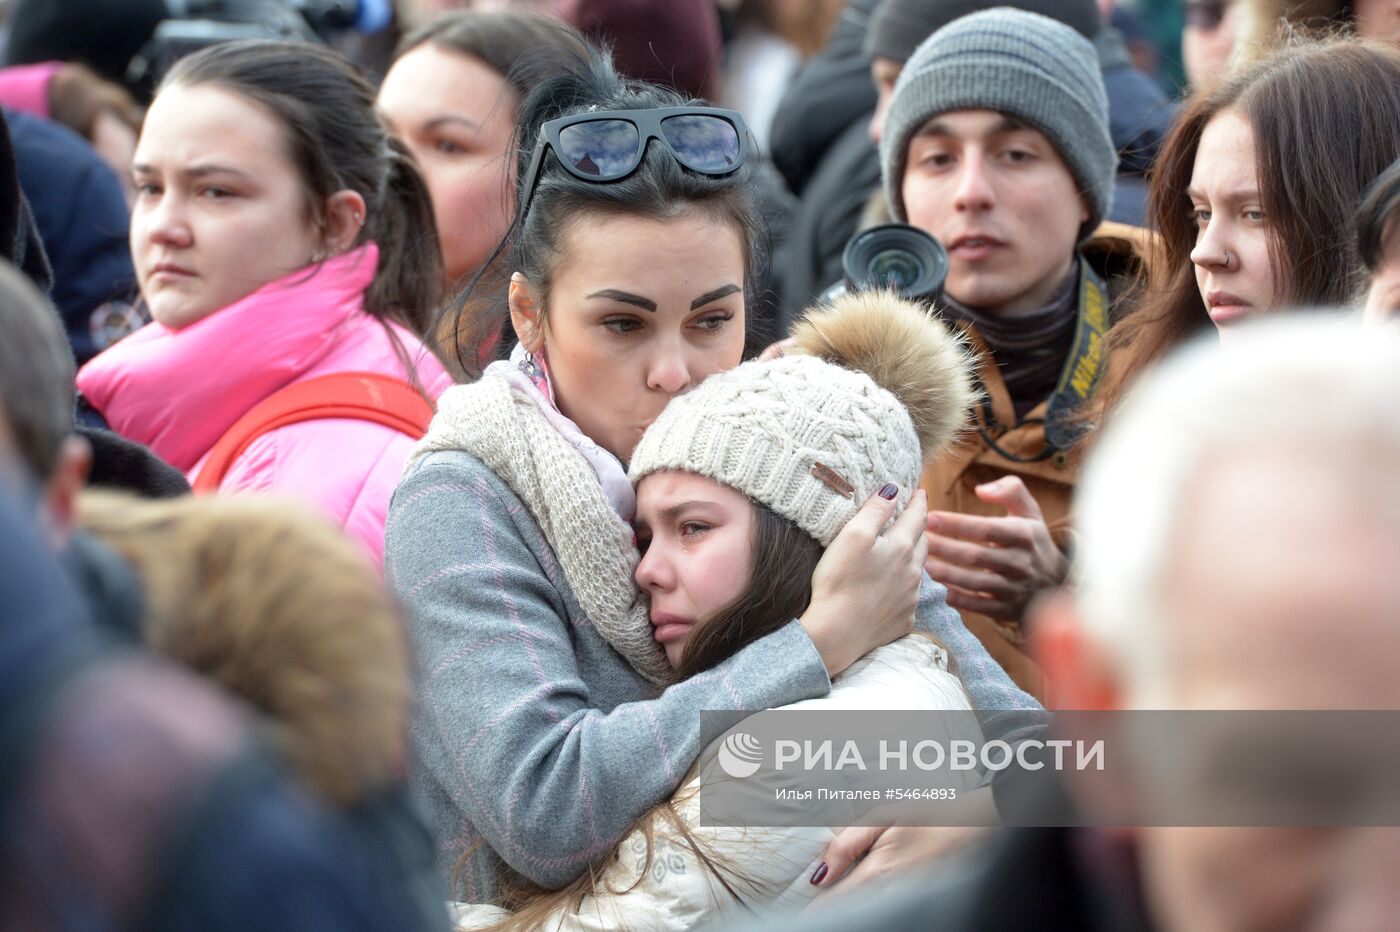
{"points": [[608, 145], [1205, 14]]}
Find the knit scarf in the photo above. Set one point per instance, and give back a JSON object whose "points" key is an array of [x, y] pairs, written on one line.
{"points": [[1029, 348], [498, 420]]}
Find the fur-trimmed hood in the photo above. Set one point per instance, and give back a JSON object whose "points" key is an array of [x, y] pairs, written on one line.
{"points": [[277, 606]]}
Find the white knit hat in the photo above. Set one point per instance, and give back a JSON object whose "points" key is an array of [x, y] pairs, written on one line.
{"points": [[874, 388]]}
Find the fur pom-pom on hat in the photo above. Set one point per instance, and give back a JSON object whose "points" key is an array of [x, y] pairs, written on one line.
{"points": [[905, 352], [874, 387]]}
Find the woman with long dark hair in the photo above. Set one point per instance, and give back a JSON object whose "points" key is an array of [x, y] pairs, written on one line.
{"points": [[1254, 196], [550, 719], [741, 483]]}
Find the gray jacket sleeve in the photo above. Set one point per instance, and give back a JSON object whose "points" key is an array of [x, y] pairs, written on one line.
{"points": [[507, 725], [1004, 710]]}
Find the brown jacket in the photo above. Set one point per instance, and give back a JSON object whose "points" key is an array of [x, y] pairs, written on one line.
{"points": [[1115, 252]]}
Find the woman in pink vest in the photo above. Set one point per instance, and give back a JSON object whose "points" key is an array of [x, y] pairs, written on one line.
{"points": [[279, 236]]}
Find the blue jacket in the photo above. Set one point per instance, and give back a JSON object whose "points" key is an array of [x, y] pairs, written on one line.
{"points": [[82, 218]]}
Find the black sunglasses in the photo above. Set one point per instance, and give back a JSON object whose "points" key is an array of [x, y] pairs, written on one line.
{"points": [[608, 145]]}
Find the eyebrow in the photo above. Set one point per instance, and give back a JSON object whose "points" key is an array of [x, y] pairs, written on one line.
{"points": [[197, 171], [438, 121], [1238, 194], [939, 128], [647, 304], [612, 294], [723, 291], [670, 512]]}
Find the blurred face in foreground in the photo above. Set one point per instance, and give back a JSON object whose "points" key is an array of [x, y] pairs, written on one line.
{"points": [[1275, 599]]}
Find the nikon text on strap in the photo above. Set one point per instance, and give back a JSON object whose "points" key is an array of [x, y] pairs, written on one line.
{"points": [[1078, 379]]}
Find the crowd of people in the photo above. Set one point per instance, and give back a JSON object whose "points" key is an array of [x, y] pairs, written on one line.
{"points": [[408, 431]]}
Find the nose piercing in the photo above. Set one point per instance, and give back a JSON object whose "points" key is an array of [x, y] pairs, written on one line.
{"points": [[1228, 259]]}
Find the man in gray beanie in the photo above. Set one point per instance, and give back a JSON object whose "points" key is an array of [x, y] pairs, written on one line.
{"points": [[1018, 64], [996, 142], [899, 27], [823, 131]]}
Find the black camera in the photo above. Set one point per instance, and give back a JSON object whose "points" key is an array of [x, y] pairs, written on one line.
{"points": [[194, 24], [895, 256]]}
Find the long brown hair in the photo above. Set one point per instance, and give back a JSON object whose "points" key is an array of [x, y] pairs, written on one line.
{"points": [[499, 39], [1326, 121]]}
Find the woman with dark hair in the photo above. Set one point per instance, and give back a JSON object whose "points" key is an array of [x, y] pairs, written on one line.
{"points": [[544, 731], [452, 95], [284, 245], [731, 521], [1254, 197], [1380, 245]]}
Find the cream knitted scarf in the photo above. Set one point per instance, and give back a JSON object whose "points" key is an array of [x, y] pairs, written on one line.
{"points": [[497, 423]]}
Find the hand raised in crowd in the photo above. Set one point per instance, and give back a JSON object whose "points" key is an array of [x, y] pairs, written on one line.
{"points": [[995, 565], [866, 586]]}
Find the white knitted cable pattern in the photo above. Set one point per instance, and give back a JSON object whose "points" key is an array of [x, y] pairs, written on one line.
{"points": [[761, 428], [508, 432]]}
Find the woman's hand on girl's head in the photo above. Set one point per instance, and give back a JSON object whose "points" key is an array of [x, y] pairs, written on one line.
{"points": [[866, 587]]}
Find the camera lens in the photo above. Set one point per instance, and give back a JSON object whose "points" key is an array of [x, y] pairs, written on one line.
{"points": [[894, 268], [896, 256]]}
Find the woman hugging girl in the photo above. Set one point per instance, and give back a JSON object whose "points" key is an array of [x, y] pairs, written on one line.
{"points": [[550, 715], [741, 483]]}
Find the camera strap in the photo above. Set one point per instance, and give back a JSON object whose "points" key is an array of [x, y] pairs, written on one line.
{"points": [[1080, 376], [1078, 379]]}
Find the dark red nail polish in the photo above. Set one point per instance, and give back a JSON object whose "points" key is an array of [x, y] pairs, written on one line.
{"points": [[889, 491], [819, 874]]}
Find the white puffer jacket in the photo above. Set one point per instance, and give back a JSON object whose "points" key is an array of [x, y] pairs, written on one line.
{"points": [[678, 892]]}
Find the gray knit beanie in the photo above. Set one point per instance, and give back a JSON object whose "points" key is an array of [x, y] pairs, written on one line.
{"points": [[898, 26], [873, 388], [1021, 64]]}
